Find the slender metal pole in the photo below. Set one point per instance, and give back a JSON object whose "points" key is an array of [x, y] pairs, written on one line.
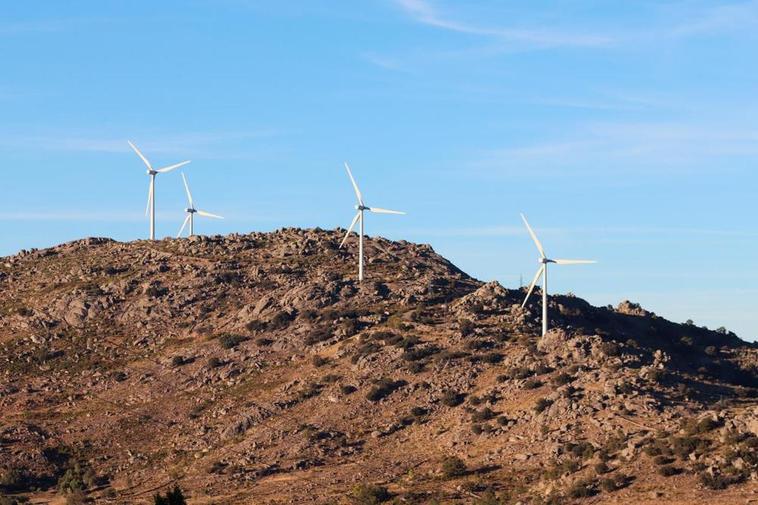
{"points": [[152, 206], [544, 302], [360, 251], [192, 223]]}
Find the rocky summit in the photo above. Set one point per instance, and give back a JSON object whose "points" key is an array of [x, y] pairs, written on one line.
{"points": [[256, 369]]}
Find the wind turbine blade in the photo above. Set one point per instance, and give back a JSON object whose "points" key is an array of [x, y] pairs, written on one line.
{"points": [[186, 221], [149, 197], [377, 210], [355, 185], [186, 187], [208, 214], [534, 283], [139, 153], [350, 230], [172, 167], [534, 236], [575, 262]]}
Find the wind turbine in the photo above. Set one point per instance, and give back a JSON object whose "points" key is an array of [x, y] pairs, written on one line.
{"points": [[191, 211], [151, 195], [361, 208], [542, 272]]}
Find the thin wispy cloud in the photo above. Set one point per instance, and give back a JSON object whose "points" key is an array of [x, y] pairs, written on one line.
{"points": [[729, 18], [621, 146], [650, 233], [52, 25], [666, 24], [424, 12], [77, 216], [208, 144]]}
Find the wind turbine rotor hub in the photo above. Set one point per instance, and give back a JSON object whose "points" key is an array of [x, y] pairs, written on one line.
{"points": [[361, 207], [191, 211], [152, 172]]}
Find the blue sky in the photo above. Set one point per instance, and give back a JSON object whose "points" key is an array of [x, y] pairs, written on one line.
{"points": [[627, 132]]}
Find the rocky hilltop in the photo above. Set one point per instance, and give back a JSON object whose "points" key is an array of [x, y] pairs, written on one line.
{"points": [[255, 369]]}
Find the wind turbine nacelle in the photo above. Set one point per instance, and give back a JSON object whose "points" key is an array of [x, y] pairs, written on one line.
{"points": [[361, 207], [545, 261], [190, 211], [152, 172]]}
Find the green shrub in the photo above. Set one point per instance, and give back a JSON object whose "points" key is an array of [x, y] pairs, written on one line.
{"points": [[697, 427], [453, 467], [280, 320], [76, 479], [542, 405], [173, 497], [156, 291], [331, 378], [610, 348], [662, 460], [230, 340], [489, 497], [562, 379], [419, 354], [319, 361], [13, 479], [416, 367], [475, 400], [368, 494], [583, 450], [684, 446], [561, 468], [611, 484], [656, 376], [532, 383], [348, 389], [479, 345], [492, 358], [483, 415], [716, 482], [602, 468], [582, 489], [310, 390], [453, 398], [419, 412], [519, 372], [608, 485], [6, 500], [76, 498], [383, 388], [255, 326], [467, 327], [317, 336], [668, 470]]}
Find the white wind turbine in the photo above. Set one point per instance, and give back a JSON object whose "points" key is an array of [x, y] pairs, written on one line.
{"points": [[361, 208], [191, 211], [151, 195], [542, 272]]}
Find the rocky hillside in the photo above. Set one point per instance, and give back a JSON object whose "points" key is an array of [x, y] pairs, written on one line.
{"points": [[255, 369]]}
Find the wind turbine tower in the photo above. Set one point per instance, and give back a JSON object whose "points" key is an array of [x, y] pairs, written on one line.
{"points": [[191, 211], [542, 272], [359, 217], [151, 195]]}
